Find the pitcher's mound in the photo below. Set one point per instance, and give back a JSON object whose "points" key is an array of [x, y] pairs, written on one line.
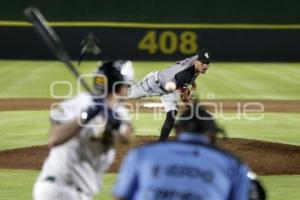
{"points": [[265, 158]]}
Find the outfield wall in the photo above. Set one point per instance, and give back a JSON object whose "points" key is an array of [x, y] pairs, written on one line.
{"points": [[158, 11], [139, 41], [159, 30]]}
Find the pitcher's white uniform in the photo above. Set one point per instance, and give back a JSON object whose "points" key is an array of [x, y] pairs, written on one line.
{"points": [[74, 169], [182, 73]]}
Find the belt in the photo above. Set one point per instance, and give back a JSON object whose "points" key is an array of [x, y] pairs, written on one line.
{"points": [[156, 79], [53, 179]]}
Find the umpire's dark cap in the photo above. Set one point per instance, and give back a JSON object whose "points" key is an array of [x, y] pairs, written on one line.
{"points": [[196, 120], [204, 56]]}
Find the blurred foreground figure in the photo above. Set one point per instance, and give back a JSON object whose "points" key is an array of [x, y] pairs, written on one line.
{"points": [[82, 137], [191, 167]]}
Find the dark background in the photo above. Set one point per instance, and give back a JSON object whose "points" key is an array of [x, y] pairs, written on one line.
{"points": [[280, 43], [160, 11]]}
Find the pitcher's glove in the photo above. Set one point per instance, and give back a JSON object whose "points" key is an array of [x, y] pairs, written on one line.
{"points": [[188, 95], [185, 94]]}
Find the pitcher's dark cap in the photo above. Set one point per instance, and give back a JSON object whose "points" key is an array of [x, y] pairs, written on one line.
{"points": [[204, 56]]}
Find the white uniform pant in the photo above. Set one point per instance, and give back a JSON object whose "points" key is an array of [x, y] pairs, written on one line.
{"points": [[46, 190], [148, 87]]}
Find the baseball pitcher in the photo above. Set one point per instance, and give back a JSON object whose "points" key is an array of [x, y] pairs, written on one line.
{"points": [[181, 74]]}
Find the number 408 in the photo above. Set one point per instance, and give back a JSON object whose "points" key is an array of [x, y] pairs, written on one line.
{"points": [[168, 42]]}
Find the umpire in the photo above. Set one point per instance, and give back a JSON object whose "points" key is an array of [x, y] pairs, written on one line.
{"points": [[189, 168]]}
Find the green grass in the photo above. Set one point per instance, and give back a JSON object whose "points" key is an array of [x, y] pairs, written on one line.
{"points": [[275, 127], [23, 128], [282, 187], [222, 81], [29, 128], [31, 79], [252, 81], [17, 185]]}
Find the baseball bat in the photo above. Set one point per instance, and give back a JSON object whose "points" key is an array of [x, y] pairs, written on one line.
{"points": [[53, 41]]}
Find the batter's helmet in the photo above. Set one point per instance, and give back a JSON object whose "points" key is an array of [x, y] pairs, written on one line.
{"points": [[112, 72]]}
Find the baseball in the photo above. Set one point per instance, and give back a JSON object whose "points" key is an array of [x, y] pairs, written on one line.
{"points": [[170, 86]]}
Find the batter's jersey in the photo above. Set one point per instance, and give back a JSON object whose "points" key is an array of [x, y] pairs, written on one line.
{"points": [[82, 160], [186, 169], [182, 73]]}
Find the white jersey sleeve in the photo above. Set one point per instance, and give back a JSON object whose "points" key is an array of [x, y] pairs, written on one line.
{"points": [[69, 110]]}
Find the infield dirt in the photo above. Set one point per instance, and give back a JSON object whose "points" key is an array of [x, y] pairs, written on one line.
{"points": [[265, 158], [225, 105]]}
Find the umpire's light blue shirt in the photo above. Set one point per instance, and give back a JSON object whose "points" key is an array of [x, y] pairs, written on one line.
{"points": [[186, 169]]}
